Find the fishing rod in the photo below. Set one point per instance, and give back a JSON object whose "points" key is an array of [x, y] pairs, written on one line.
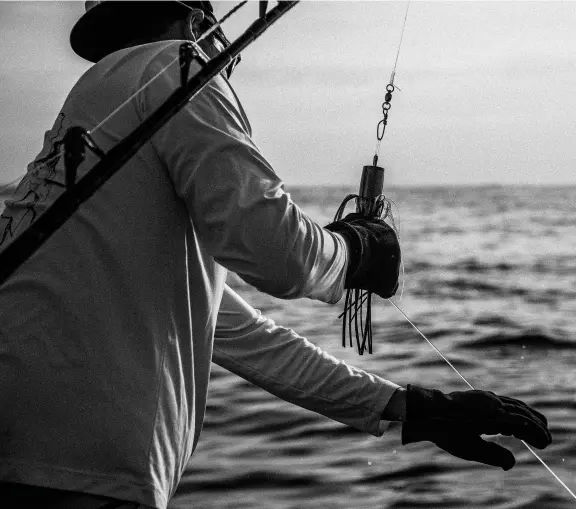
{"points": [[77, 140]]}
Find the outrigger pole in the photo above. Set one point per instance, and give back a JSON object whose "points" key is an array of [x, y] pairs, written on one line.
{"points": [[77, 139]]}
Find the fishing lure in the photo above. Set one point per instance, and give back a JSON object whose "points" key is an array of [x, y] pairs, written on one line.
{"points": [[372, 204]]}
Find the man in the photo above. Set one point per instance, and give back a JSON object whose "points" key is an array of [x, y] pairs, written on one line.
{"points": [[108, 331]]}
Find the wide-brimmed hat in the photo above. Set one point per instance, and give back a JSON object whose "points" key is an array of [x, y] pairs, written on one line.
{"points": [[107, 25]]}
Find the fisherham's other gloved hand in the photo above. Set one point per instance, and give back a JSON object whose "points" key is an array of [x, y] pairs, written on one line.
{"points": [[374, 254], [455, 421]]}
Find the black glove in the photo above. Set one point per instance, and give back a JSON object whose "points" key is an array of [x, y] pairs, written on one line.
{"points": [[374, 254], [455, 421]]}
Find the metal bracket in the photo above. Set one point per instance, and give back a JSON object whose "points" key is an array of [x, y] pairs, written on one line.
{"points": [[187, 54], [263, 8], [76, 140], [74, 153]]}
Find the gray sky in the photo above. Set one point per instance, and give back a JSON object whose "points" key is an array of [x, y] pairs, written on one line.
{"points": [[488, 89]]}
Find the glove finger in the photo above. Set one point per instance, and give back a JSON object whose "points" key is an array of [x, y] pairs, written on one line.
{"points": [[518, 402], [519, 427], [525, 428], [520, 405], [473, 448]]}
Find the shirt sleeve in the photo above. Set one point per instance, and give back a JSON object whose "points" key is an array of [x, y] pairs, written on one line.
{"points": [[287, 365], [237, 204]]}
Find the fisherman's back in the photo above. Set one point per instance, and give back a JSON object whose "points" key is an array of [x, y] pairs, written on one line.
{"points": [[106, 331]]}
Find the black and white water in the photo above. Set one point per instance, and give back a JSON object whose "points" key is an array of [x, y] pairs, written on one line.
{"points": [[490, 278]]}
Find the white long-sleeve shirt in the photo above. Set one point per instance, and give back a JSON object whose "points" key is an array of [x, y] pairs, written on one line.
{"points": [[108, 331]]}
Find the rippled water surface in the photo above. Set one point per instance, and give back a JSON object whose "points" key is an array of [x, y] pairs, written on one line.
{"points": [[490, 277]]}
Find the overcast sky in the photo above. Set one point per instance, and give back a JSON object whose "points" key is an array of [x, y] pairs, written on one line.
{"points": [[488, 89]]}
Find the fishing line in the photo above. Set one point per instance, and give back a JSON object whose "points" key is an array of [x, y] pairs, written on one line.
{"points": [[397, 230], [431, 344], [471, 387], [162, 71], [92, 131], [389, 88], [400, 43]]}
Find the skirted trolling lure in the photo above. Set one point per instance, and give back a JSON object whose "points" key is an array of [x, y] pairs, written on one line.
{"points": [[370, 204]]}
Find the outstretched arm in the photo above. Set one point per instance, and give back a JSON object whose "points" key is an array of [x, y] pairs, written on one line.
{"points": [[290, 367], [287, 365]]}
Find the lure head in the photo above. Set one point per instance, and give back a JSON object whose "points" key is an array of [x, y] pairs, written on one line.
{"points": [[370, 194]]}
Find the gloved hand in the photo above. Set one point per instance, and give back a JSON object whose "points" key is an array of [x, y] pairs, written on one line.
{"points": [[374, 254], [455, 421]]}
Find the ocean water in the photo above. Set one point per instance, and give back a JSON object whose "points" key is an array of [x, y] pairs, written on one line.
{"points": [[490, 278]]}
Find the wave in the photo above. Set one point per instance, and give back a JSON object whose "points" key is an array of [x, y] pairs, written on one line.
{"points": [[437, 362], [557, 265], [495, 321], [320, 431], [459, 288], [411, 471], [466, 288], [263, 420], [261, 479], [470, 265], [531, 339]]}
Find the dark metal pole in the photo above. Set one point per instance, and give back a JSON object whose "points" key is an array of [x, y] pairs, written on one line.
{"points": [[25, 244]]}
